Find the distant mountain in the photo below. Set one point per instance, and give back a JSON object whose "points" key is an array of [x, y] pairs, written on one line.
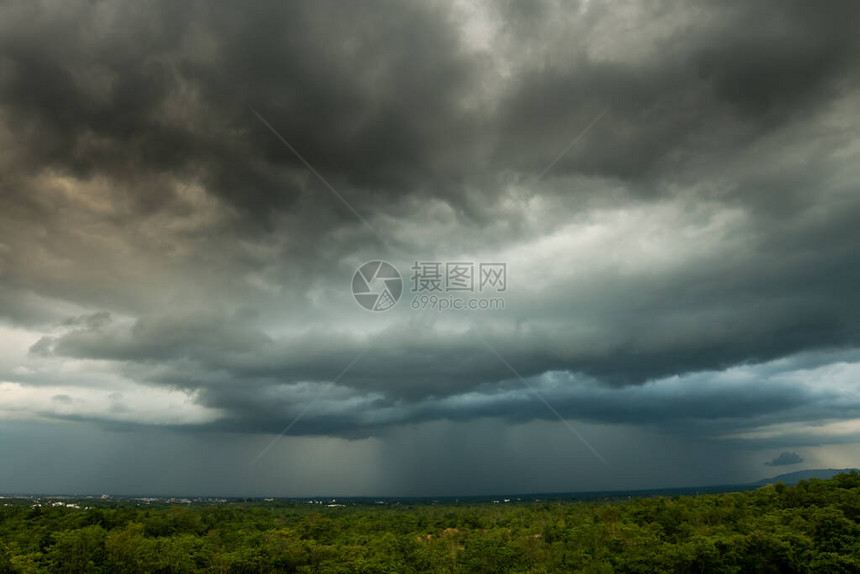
{"points": [[791, 478]]}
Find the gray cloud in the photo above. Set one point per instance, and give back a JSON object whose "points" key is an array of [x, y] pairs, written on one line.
{"points": [[154, 232], [785, 459]]}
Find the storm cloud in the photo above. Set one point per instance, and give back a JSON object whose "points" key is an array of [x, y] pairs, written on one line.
{"points": [[785, 459], [186, 190]]}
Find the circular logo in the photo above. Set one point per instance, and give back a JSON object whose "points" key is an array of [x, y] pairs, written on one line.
{"points": [[377, 285]]}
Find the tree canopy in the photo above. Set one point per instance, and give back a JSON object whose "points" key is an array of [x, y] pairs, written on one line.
{"points": [[810, 527]]}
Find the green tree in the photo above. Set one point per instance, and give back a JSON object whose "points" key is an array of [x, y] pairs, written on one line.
{"points": [[78, 551]]}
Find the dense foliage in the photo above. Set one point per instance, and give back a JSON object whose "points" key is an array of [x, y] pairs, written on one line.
{"points": [[811, 527]]}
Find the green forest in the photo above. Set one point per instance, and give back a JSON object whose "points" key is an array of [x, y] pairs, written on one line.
{"points": [[810, 527]]}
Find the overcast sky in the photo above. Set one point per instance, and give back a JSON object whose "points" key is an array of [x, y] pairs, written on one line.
{"points": [[187, 190]]}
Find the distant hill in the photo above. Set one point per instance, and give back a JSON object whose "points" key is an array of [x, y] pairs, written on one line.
{"points": [[792, 478]]}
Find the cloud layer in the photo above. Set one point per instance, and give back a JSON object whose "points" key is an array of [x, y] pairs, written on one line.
{"points": [[688, 265]]}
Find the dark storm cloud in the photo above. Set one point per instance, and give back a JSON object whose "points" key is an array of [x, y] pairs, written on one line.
{"points": [[370, 93], [710, 404], [717, 81], [785, 458], [174, 236], [377, 96]]}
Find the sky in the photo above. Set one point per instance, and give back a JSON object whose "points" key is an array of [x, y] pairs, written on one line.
{"points": [[667, 192]]}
